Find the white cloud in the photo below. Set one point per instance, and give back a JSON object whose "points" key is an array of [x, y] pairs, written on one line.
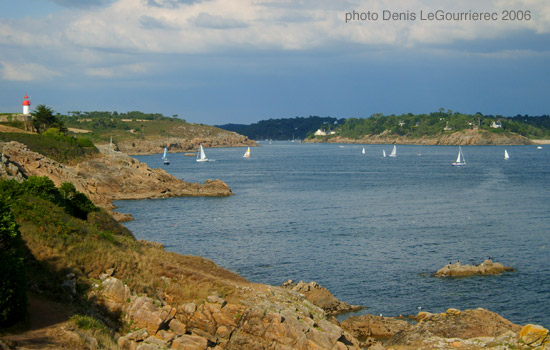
{"points": [[26, 72], [111, 34], [117, 71], [206, 20]]}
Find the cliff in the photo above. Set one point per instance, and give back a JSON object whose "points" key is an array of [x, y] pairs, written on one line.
{"points": [[466, 137], [110, 176]]}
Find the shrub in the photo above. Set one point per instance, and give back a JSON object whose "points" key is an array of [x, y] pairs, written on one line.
{"points": [[13, 288]]}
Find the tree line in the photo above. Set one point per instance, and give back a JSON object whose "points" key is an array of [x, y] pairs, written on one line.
{"points": [[410, 125]]}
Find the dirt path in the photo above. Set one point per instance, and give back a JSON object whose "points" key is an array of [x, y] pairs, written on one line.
{"points": [[47, 327]]}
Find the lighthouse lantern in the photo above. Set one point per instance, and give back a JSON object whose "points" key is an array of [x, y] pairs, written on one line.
{"points": [[26, 105]]}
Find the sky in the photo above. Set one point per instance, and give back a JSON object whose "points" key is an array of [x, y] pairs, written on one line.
{"points": [[241, 61]]}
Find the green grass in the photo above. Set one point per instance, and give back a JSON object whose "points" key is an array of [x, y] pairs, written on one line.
{"points": [[62, 149]]}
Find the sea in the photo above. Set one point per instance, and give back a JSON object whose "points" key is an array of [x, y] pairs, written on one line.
{"points": [[372, 230]]}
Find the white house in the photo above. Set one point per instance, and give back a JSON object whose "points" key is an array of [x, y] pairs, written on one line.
{"points": [[320, 132]]}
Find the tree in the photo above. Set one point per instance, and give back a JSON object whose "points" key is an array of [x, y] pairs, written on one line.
{"points": [[43, 118]]}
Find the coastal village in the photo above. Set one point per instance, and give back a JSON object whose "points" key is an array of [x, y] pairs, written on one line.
{"points": [[123, 293]]}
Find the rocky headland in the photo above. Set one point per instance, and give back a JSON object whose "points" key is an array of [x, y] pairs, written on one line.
{"points": [[488, 267], [466, 137], [110, 176], [178, 144]]}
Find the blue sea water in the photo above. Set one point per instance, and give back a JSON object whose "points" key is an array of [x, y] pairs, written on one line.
{"points": [[371, 230]]}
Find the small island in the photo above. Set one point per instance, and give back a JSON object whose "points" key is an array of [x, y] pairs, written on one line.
{"points": [[488, 267]]}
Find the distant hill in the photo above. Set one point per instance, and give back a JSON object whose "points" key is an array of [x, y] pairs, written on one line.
{"points": [[135, 125], [441, 122], [145, 133], [284, 129]]}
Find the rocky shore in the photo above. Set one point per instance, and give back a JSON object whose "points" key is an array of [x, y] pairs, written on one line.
{"points": [[150, 299], [488, 267], [110, 176], [467, 137]]}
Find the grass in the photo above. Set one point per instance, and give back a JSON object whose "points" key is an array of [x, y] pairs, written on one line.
{"points": [[60, 243], [144, 130]]}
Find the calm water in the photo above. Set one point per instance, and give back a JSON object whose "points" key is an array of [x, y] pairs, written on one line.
{"points": [[371, 230]]}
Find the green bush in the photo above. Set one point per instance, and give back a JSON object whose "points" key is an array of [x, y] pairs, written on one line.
{"points": [[13, 287], [75, 203]]}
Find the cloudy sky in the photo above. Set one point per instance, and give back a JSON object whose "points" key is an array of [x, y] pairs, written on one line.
{"points": [[240, 61]]}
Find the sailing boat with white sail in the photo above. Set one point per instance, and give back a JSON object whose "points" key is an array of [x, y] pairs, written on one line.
{"points": [[247, 153], [166, 161], [363, 151], [393, 152], [506, 155], [201, 156], [460, 161], [383, 153]]}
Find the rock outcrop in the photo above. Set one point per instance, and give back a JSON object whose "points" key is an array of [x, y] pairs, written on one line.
{"points": [[269, 318], [320, 297], [110, 176], [456, 324], [488, 267]]}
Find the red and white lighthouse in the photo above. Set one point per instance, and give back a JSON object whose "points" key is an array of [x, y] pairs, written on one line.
{"points": [[26, 105]]}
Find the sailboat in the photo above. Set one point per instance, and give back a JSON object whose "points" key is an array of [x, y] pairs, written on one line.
{"points": [[383, 153], [165, 160], [247, 153], [460, 161], [363, 151], [506, 155], [393, 152], [201, 156]]}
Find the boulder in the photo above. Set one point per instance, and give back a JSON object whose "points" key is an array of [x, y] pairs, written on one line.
{"points": [[320, 297], [145, 314], [534, 335], [370, 327], [190, 342], [115, 294]]}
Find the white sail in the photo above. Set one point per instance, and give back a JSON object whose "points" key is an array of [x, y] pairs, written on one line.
{"points": [[460, 158], [363, 151], [506, 155], [393, 152], [247, 153], [201, 156], [383, 153], [165, 152]]}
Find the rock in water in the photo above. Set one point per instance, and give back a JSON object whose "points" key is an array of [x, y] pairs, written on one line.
{"points": [[488, 267]]}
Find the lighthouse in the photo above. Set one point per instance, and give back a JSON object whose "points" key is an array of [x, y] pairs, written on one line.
{"points": [[26, 105]]}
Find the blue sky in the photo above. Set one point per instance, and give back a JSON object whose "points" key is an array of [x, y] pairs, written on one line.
{"points": [[240, 61]]}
